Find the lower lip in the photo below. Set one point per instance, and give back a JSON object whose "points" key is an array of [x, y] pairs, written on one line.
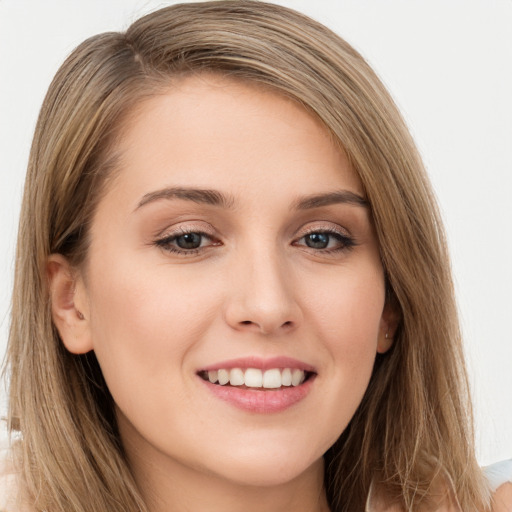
{"points": [[261, 401]]}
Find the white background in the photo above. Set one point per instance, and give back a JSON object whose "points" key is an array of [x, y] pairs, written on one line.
{"points": [[448, 64]]}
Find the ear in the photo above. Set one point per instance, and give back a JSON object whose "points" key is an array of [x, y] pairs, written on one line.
{"points": [[388, 326], [70, 311]]}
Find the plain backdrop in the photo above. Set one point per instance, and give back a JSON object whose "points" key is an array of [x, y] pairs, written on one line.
{"points": [[448, 65]]}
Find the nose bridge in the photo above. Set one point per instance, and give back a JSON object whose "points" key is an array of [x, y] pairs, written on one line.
{"points": [[263, 299]]}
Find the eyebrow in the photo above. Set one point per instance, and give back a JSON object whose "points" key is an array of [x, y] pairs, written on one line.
{"points": [[340, 196], [196, 195], [216, 198]]}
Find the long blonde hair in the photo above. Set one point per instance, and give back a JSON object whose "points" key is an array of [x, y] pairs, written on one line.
{"points": [[414, 422]]}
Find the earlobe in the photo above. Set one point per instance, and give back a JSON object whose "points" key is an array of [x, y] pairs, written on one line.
{"points": [[70, 311]]}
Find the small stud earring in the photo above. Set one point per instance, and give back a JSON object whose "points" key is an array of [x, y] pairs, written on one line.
{"points": [[80, 315]]}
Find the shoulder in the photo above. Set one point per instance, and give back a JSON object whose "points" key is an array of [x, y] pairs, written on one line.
{"points": [[499, 478], [502, 499], [9, 481], [7, 478], [500, 481]]}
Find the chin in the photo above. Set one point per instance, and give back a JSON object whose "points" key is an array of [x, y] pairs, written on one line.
{"points": [[266, 476], [269, 471]]}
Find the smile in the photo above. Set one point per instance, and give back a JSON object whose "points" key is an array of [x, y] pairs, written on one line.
{"points": [[273, 378], [259, 385]]}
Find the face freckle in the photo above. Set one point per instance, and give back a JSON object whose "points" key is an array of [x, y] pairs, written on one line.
{"points": [[206, 254]]}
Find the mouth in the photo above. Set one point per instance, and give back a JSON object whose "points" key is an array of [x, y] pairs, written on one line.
{"points": [[260, 385], [257, 379]]}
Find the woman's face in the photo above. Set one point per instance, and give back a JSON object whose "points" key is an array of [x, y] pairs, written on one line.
{"points": [[234, 239]]}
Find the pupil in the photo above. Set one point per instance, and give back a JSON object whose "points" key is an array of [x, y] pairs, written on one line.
{"points": [[189, 241], [317, 240]]}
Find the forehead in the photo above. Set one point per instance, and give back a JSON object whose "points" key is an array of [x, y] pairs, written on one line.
{"points": [[212, 131]]}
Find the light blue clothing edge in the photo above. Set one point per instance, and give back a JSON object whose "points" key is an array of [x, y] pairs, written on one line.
{"points": [[499, 473]]}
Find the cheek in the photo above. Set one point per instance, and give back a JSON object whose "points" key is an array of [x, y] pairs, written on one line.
{"points": [[346, 316], [150, 321], [144, 323], [347, 311]]}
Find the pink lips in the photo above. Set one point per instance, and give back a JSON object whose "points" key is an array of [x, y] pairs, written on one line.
{"points": [[262, 364], [259, 400]]}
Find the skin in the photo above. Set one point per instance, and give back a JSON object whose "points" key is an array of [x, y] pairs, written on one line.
{"points": [[502, 500], [253, 288]]}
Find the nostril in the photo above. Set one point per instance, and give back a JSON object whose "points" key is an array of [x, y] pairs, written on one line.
{"points": [[249, 322]]}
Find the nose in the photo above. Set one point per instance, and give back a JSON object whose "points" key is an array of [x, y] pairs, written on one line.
{"points": [[261, 298]]}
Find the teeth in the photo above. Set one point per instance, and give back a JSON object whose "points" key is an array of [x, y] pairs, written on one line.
{"points": [[236, 377], [286, 377], [256, 378], [253, 378], [223, 376], [272, 378], [297, 377]]}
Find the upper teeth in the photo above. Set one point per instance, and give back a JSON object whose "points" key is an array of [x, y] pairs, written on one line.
{"points": [[255, 378]]}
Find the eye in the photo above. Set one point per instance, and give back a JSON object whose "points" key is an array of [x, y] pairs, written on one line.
{"points": [[326, 241], [189, 240], [318, 240], [186, 242]]}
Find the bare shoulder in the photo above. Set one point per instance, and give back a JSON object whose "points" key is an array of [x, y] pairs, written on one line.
{"points": [[499, 476], [7, 491], [9, 483], [9, 497], [502, 499]]}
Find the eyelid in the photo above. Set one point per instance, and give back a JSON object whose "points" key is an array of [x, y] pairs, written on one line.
{"points": [[327, 227], [165, 240], [185, 227], [345, 239]]}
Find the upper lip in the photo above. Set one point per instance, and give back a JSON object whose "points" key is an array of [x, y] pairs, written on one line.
{"points": [[260, 363]]}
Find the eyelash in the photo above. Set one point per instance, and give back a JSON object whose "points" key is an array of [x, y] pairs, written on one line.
{"points": [[166, 242], [346, 242]]}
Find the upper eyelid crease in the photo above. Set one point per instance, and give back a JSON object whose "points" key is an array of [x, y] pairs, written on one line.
{"points": [[324, 228], [183, 230]]}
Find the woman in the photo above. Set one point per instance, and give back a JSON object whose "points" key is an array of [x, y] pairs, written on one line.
{"points": [[231, 276]]}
